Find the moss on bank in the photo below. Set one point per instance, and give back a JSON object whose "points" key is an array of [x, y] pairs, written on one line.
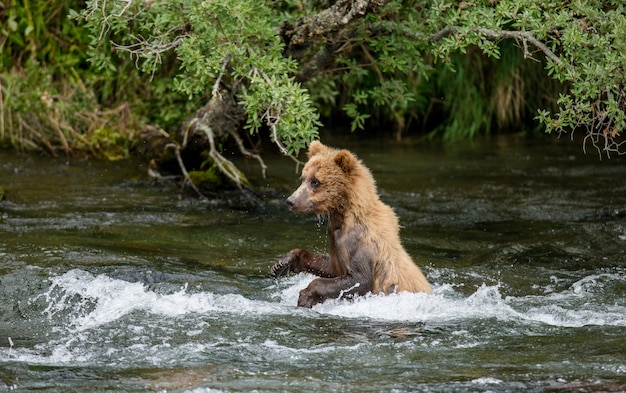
{"points": [[208, 179]]}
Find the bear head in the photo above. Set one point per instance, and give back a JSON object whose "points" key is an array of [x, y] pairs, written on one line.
{"points": [[327, 180]]}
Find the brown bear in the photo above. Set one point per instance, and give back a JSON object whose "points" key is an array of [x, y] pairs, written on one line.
{"points": [[365, 250]]}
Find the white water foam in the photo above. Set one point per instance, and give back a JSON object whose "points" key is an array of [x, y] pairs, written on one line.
{"points": [[580, 305], [83, 307], [586, 302], [96, 300], [487, 381]]}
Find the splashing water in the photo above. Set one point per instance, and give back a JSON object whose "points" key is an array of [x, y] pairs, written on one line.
{"points": [[81, 306]]}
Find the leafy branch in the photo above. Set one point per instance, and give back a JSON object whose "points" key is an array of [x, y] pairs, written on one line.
{"points": [[524, 37]]}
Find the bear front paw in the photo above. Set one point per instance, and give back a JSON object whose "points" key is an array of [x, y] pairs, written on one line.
{"points": [[287, 263], [282, 267]]}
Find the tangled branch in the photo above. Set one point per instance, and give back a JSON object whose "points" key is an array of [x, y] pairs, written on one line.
{"points": [[144, 48], [602, 131]]}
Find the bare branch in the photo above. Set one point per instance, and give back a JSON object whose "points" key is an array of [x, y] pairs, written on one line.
{"points": [[322, 56], [246, 152], [271, 116], [334, 44], [216, 86], [181, 164], [145, 48], [523, 36], [105, 18], [226, 166], [448, 31], [271, 121]]}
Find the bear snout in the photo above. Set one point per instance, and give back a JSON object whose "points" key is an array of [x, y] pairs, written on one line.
{"points": [[299, 201]]}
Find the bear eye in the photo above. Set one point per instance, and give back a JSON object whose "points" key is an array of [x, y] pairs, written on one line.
{"points": [[315, 183]]}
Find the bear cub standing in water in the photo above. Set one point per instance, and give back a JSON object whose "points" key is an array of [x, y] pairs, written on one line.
{"points": [[365, 250]]}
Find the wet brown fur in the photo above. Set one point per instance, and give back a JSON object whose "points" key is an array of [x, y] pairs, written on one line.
{"points": [[366, 254]]}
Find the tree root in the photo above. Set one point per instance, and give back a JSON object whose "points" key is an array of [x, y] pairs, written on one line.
{"points": [[183, 170]]}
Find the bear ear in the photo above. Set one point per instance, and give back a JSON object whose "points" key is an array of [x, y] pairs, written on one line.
{"points": [[345, 160], [316, 147]]}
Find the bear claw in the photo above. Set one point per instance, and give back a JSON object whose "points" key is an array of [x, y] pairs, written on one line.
{"points": [[281, 268]]}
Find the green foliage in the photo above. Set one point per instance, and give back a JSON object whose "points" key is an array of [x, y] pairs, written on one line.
{"points": [[232, 42], [279, 102], [482, 95], [32, 33], [40, 112], [594, 45], [384, 72], [492, 62], [48, 96], [111, 143], [467, 67], [581, 43]]}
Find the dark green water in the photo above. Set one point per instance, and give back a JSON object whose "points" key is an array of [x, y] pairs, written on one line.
{"points": [[111, 283]]}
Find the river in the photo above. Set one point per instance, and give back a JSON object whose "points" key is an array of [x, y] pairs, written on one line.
{"points": [[109, 282]]}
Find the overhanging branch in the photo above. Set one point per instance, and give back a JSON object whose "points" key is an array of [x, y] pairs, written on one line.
{"points": [[524, 36]]}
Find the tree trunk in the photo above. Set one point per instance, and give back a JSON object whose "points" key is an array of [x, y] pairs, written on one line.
{"points": [[221, 115]]}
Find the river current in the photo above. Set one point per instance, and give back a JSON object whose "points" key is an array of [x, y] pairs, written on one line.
{"points": [[109, 282]]}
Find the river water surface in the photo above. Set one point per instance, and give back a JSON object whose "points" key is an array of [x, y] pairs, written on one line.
{"points": [[111, 283]]}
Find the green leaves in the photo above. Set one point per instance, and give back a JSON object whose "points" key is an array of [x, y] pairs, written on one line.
{"points": [[218, 45], [276, 101], [590, 40], [358, 118], [391, 66], [581, 44]]}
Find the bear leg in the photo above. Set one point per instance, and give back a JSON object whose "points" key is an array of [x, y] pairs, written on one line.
{"points": [[299, 260], [321, 289]]}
